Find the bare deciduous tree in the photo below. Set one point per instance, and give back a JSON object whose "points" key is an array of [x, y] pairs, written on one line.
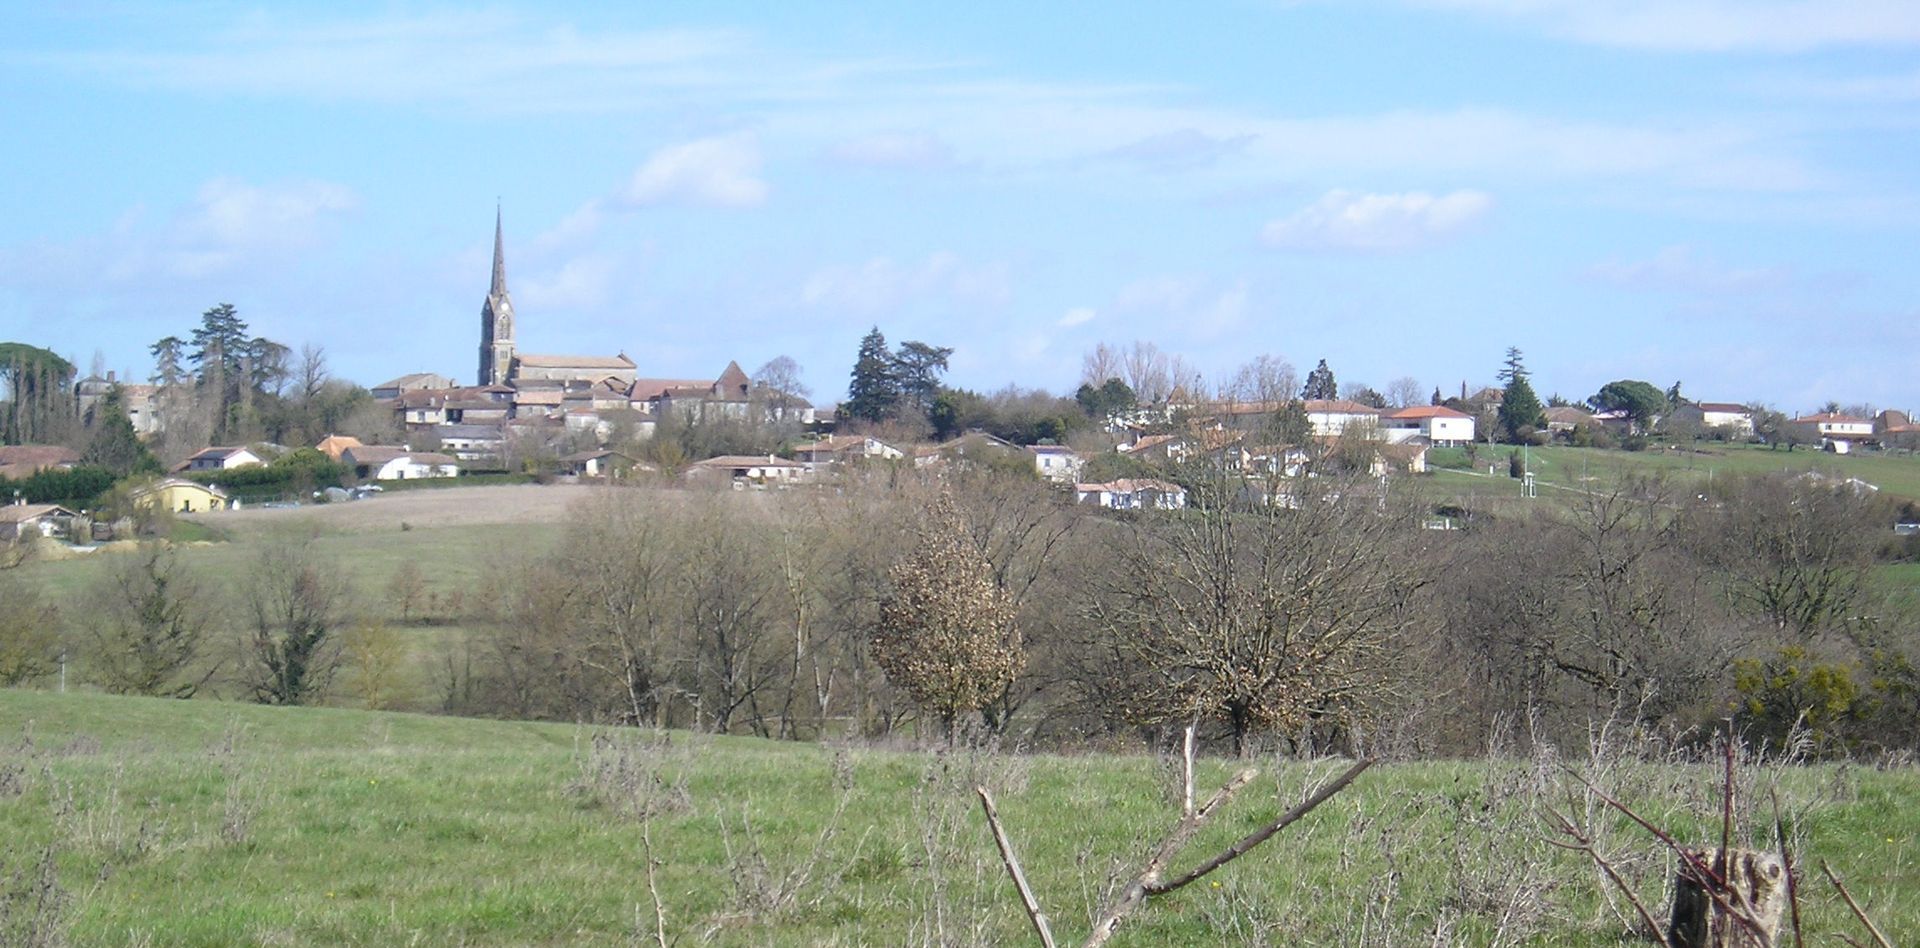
{"points": [[294, 601], [1270, 616], [150, 626]]}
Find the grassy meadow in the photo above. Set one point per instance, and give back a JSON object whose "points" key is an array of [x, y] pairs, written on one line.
{"points": [[1555, 467], [209, 823]]}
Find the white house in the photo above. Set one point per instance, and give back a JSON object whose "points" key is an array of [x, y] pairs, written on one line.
{"points": [[1132, 494], [759, 469], [1438, 424], [1331, 416], [1056, 462], [1836, 432], [603, 462], [222, 459], [389, 463], [1735, 418], [841, 449]]}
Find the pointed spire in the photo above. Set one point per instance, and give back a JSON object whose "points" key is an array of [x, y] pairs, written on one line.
{"points": [[499, 258]]}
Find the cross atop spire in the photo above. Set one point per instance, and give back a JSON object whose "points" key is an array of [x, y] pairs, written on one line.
{"points": [[499, 287]]}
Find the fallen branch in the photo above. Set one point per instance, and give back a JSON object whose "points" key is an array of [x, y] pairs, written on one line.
{"points": [[1012, 863], [1585, 845], [1266, 832], [1858, 912]]}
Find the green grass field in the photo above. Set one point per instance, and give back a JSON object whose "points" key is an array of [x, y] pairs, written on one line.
{"points": [[1592, 468], [208, 823]]}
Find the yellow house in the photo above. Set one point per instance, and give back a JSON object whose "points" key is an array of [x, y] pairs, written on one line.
{"points": [[180, 496]]}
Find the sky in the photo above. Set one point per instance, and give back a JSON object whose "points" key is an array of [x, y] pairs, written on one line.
{"points": [[1724, 194]]}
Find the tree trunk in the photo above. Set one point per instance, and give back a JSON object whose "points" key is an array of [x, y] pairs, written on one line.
{"points": [[1746, 913]]}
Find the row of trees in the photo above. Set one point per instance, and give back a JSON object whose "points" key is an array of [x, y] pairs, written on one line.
{"points": [[1328, 618]]}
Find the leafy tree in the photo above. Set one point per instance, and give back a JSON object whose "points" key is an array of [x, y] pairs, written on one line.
{"points": [[151, 627], [916, 369], [1638, 399], [1320, 384], [1112, 397], [947, 634], [220, 341], [29, 632], [1365, 395], [39, 386], [874, 393], [114, 445]]}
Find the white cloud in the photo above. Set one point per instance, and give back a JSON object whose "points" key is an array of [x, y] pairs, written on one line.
{"points": [[917, 151], [1077, 316], [716, 172], [882, 283], [580, 283], [1684, 268], [1712, 25], [1348, 220], [229, 226]]}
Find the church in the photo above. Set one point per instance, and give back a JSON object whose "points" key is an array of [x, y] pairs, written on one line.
{"points": [[500, 365]]}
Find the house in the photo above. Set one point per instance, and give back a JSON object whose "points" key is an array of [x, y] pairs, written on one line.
{"points": [[390, 463], [418, 381], [976, 447], [1736, 420], [35, 520], [1835, 432], [1331, 416], [841, 449], [1438, 424], [600, 463], [1225, 448], [1895, 429], [1278, 460], [1056, 462], [333, 445], [1132, 494], [221, 459], [1406, 457], [758, 469], [1562, 419], [470, 442], [20, 461], [179, 496]]}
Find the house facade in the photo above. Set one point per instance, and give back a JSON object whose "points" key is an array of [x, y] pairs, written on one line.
{"points": [[1132, 494], [376, 462], [1836, 432], [222, 459], [179, 495], [1057, 463], [1440, 425], [35, 520], [1734, 418]]}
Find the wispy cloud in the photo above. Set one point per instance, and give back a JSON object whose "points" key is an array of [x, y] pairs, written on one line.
{"points": [[1348, 220], [714, 172], [1077, 316], [1686, 269], [228, 225], [1711, 25], [882, 283], [1180, 150], [580, 283], [915, 151]]}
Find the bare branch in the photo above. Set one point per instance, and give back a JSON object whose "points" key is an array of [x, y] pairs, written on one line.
{"points": [[1855, 906], [1264, 833], [1137, 890], [1012, 863], [1583, 844]]}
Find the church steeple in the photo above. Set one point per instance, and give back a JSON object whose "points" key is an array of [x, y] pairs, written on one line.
{"points": [[496, 316], [499, 287]]}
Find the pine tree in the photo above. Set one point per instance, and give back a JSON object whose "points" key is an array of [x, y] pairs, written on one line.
{"points": [[221, 338], [1520, 410], [1320, 384], [874, 392], [114, 444]]}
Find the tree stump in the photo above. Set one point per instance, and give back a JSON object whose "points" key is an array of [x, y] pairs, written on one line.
{"points": [[1755, 890]]}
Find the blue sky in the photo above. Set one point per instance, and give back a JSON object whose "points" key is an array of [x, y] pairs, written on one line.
{"points": [[1721, 193]]}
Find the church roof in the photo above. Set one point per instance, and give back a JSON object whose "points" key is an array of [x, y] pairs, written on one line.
{"points": [[573, 361]]}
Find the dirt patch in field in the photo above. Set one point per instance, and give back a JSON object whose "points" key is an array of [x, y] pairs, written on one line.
{"points": [[439, 507]]}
